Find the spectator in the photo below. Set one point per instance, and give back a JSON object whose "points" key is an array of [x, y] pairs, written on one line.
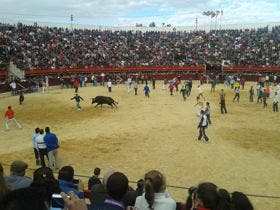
{"points": [[51, 142], [94, 179], [131, 195], [66, 184], [156, 196], [117, 186], [208, 196], [41, 147], [17, 178], [4, 189], [35, 149], [240, 201]]}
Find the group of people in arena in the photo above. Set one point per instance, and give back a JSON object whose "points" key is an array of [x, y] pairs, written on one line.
{"points": [[113, 192], [35, 47]]}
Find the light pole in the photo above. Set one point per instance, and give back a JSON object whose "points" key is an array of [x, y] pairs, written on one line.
{"points": [[71, 19]]}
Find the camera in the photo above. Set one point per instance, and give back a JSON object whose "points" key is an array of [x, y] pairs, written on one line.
{"points": [[57, 202]]}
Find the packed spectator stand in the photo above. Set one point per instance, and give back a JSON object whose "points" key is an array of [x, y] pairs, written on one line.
{"points": [[34, 47]]}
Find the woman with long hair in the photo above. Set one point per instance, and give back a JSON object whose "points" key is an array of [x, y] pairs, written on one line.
{"points": [[156, 196]]}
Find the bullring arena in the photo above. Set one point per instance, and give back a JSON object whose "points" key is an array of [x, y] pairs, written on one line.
{"points": [[159, 132]]}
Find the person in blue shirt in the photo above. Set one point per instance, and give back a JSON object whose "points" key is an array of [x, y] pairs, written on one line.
{"points": [[147, 91], [66, 182], [51, 142]]}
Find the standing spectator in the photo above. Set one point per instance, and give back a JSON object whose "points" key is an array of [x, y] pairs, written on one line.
{"points": [[135, 85], [275, 102], [94, 179], [78, 100], [10, 116], [66, 184], [47, 81], [208, 112], [17, 178], [260, 95], [21, 97], [109, 85], [251, 94], [156, 196], [35, 149], [147, 91], [223, 102], [41, 147], [213, 85], [43, 84], [203, 124], [51, 142], [13, 85]]}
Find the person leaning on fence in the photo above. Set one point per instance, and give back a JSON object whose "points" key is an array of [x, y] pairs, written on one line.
{"points": [[10, 117]]}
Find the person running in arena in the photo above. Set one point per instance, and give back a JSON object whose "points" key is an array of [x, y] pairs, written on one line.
{"points": [[78, 100], [264, 97], [237, 94], [200, 92], [208, 111], [183, 92], [10, 116], [171, 88], [251, 94]]}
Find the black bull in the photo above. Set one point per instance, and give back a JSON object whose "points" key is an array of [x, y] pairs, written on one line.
{"points": [[104, 100]]}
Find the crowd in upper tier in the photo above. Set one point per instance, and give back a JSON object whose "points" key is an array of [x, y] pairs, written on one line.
{"points": [[33, 47]]}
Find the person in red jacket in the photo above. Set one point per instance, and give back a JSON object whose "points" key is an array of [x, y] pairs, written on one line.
{"points": [[76, 85], [10, 116]]}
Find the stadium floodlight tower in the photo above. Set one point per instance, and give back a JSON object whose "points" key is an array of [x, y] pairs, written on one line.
{"points": [[71, 19]]}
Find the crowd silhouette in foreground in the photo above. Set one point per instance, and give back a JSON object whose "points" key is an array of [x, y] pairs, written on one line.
{"points": [[18, 191]]}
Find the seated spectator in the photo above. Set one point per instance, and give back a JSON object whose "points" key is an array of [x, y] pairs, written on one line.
{"points": [[156, 196], [98, 191], [3, 185], [117, 186], [65, 179], [131, 195], [17, 178], [37, 196], [94, 179], [45, 182], [208, 196], [240, 201]]}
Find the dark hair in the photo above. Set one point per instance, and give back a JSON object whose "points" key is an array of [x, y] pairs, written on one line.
{"points": [[47, 129], [212, 197], [3, 185], [96, 171], [41, 131], [66, 173], [189, 202], [45, 183], [241, 202], [9, 107], [154, 183], [140, 184], [117, 186], [37, 130]]}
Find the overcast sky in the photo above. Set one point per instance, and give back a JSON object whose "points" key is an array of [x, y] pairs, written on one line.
{"points": [[130, 12]]}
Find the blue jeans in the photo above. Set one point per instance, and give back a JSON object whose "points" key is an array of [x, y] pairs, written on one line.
{"points": [[78, 105]]}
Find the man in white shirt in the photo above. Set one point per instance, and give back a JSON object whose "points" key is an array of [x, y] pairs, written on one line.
{"points": [[275, 102], [109, 85], [13, 85], [203, 124], [200, 92]]}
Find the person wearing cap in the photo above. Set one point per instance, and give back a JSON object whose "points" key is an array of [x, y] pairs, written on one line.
{"points": [[10, 116], [17, 178]]}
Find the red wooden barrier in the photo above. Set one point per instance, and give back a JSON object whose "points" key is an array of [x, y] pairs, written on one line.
{"points": [[3, 74]]}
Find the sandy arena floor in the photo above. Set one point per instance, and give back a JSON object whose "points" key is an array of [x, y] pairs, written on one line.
{"points": [[155, 133]]}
